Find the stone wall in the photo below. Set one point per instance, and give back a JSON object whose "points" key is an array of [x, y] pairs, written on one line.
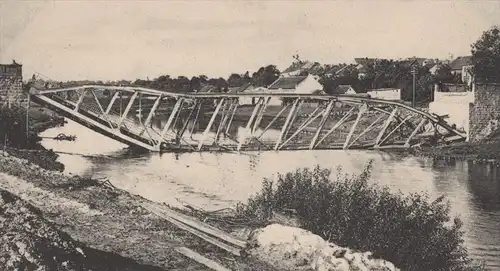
{"points": [[484, 112], [11, 86]]}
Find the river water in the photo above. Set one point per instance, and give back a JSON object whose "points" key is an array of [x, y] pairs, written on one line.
{"points": [[214, 180]]}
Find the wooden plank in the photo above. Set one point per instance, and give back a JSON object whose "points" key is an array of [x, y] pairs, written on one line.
{"points": [[195, 231], [201, 259]]}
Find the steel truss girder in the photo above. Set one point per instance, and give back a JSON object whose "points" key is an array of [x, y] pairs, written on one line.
{"points": [[228, 111]]}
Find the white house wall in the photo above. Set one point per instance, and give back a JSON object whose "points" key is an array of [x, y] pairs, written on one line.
{"points": [[386, 94], [309, 85], [455, 105]]}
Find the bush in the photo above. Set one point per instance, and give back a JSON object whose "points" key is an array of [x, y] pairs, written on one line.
{"points": [[411, 231], [13, 129]]}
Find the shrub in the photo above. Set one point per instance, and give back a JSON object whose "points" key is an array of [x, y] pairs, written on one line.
{"points": [[411, 231], [13, 129]]}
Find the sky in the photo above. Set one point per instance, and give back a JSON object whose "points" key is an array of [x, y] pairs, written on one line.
{"points": [[127, 39]]}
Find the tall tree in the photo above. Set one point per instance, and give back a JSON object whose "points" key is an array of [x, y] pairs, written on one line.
{"points": [[235, 80], [265, 76], [486, 56]]}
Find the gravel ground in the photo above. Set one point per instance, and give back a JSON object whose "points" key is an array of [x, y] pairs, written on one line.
{"points": [[108, 220]]}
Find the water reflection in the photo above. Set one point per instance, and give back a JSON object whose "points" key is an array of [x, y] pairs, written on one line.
{"points": [[212, 180]]}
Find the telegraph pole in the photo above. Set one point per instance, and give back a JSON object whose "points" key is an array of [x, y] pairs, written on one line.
{"points": [[414, 72]]}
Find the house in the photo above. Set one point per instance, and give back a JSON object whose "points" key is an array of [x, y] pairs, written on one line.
{"points": [[345, 89], [391, 94], [463, 66], [246, 88], [303, 67], [307, 84], [205, 88]]}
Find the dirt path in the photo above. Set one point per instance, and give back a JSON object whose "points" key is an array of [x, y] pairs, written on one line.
{"points": [[109, 219]]}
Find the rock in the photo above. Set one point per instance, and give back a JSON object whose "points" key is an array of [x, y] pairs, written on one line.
{"points": [[292, 248]]}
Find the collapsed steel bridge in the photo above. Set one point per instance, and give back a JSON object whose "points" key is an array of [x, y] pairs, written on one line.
{"points": [[166, 121]]}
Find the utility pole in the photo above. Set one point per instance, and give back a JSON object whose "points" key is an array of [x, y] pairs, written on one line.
{"points": [[414, 72]]}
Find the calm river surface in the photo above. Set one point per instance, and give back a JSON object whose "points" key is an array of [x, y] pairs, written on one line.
{"points": [[213, 181]]}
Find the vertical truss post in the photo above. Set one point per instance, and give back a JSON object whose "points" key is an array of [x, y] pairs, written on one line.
{"points": [[80, 100], [287, 121], [386, 124], [212, 119], [127, 109], [419, 126], [326, 114], [170, 120], [151, 114], [249, 124], [261, 114], [362, 110], [113, 99]]}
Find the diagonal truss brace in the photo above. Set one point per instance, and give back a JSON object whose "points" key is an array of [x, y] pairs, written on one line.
{"points": [[170, 120], [287, 122], [304, 125], [273, 120], [127, 109], [419, 126], [369, 128], [361, 111], [210, 123], [337, 125], [80, 100], [113, 99], [386, 125], [394, 130], [249, 124], [322, 123]]}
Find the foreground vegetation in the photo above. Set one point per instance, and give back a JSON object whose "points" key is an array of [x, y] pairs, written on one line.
{"points": [[411, 231]]}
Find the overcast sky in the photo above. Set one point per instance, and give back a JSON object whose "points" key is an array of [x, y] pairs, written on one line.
{"points": [[129, 39]]}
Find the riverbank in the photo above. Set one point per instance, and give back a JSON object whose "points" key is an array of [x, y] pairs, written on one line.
{"points": [[39, 120], [487, 151], [107, 219]]}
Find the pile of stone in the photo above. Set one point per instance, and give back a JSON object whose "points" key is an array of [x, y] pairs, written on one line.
{"points": [[29, 242], [291, 248]]}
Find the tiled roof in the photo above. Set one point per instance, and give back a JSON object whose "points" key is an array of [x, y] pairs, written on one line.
{"points": [[207, 89], [307, 66], [461, 61], [240, 88], [287, 82], [342, 89]]}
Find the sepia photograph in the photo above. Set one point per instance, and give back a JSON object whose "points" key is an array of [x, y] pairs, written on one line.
{"points": [[249, 135]]}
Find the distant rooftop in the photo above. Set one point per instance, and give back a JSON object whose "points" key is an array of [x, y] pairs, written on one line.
{"points": [[287, 82], [460, 62]]}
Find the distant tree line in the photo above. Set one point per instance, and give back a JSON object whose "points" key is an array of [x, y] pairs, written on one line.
{"points": [[383, 73]]}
